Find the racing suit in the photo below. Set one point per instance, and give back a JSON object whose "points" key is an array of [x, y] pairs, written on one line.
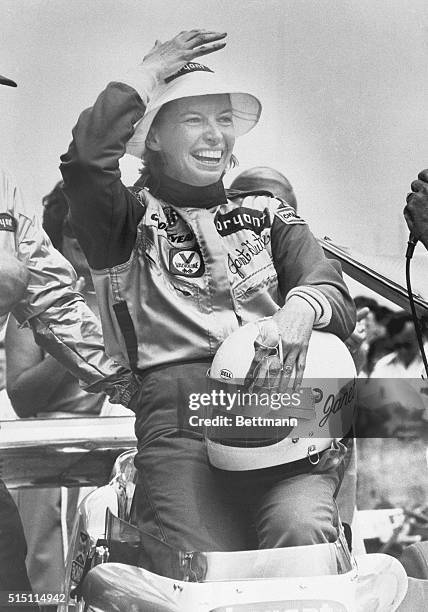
{"points": [[176, 269]]}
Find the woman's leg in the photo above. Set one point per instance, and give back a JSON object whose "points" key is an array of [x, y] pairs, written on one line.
{"points": [[298, 511], [293, 504], [180, 499], [298, 506]]}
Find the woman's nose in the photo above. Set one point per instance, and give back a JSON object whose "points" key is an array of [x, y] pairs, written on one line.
{"points": [[212, 133]]}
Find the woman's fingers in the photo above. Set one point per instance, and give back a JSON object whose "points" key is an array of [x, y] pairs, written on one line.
{"points": [[206, 49], [300, 369], [202, 37], [294, 360], [288, 366], [164, 59]]}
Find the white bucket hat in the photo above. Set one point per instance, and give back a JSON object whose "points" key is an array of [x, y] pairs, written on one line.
{"points": [[195, 79]]}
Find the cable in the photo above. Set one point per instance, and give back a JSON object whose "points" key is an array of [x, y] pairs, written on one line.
{"points": [[409, 254]]}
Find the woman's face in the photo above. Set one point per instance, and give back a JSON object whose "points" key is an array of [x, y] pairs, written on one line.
{"points": [[194, 137]]}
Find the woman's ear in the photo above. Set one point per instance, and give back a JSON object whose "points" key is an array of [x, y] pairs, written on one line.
{"points": [[152, 140]]}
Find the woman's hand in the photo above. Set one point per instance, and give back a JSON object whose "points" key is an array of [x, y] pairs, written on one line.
{"points": [[295, 321], [292, 327], [165, 59]]}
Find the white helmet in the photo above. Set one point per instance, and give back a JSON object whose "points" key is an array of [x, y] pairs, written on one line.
{"points": [[307, 423]]}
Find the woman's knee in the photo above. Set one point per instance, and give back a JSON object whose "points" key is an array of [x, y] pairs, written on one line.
{"points": [[297, 527]]}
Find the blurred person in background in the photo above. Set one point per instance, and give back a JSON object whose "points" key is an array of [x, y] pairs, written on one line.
{"points": [[376, 318], [404, 360], [377, 349], [371, 332], [39, 386], [264, 178], [393, 400], [52, 306]]}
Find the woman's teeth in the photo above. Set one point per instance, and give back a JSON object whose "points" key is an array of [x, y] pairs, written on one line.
{"points": [[208, 156]]}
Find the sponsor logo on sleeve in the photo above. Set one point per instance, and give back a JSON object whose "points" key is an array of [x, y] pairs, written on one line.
{"points": [[288, 215], [186, 262], [7, 222], [242, 218]]}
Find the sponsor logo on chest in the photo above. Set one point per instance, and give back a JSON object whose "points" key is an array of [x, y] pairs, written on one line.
{"points": [[176, 229], [185, 262], [242, 218]]}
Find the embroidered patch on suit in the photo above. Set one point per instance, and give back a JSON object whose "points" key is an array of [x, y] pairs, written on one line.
{"points": [[186, 262], [288, 215], [242, 218]]}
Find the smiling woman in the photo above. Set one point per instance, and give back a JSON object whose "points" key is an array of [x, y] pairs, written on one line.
{"points": [[160, 253]]}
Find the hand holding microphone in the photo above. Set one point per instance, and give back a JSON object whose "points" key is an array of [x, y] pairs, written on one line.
{"points": [[416, 212], [416, 215]]}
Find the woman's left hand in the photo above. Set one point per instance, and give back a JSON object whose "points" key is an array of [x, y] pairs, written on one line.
{"points": [[292, 327], [295, 321]]}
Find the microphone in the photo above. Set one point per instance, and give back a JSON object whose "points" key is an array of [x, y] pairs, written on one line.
{"points": [[411, 245]]}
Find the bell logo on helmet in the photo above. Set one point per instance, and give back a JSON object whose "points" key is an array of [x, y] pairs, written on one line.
{"points": [[226, 374]]}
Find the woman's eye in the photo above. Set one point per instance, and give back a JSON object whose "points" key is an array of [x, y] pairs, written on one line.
{"points": [[226, 121]]}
